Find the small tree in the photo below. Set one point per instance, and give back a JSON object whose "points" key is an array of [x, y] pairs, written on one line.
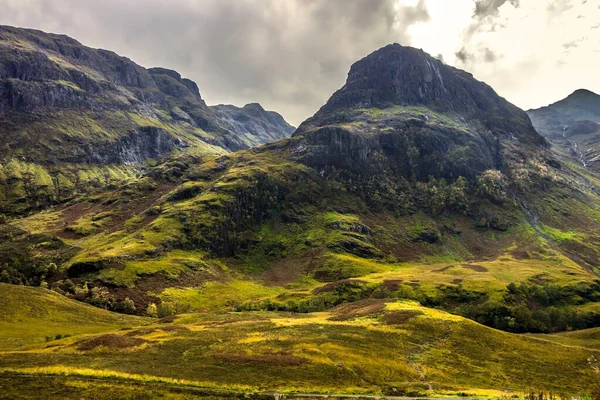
{"points": [[127, 306], [152, 310]]}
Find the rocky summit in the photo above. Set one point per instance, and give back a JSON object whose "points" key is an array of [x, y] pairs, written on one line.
{"points": [[400, 242]]}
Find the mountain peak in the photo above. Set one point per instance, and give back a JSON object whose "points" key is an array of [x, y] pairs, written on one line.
{"points": [[397, 75], [583, 94]]}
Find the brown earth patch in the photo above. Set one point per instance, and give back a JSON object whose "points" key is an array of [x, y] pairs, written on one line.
{"points": [[331, 286], [457, 281], [400, 317], [443, 269], [119, 214], [289, 270], [167, 320], [391, 285], [475, 267], [520, 254], [348, 311], [140, 298], [111, 340], [280, 359], [540, 279]]}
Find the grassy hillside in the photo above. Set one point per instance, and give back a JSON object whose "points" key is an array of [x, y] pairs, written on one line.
{"points": [[32, 316], [371, 346]]}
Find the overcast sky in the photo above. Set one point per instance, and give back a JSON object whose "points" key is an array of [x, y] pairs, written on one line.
{"points": [[291, 55]]}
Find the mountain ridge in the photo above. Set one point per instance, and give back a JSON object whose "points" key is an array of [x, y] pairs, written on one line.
{"points": [[66, 107]]}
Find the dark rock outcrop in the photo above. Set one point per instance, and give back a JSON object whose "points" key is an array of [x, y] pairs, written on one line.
{"points": [[404, 114], [405, 76]]}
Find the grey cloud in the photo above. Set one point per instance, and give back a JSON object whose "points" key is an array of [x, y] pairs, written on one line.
{"points": [[485, 16], [482, 54], [569, 45], [557, 7], [489, 55], [463, 55], [289, 55], [484, 8]]}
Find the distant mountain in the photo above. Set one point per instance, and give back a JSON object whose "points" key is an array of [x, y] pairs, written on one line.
{"points": [[252, 123], [574, 125], [74, 119]]}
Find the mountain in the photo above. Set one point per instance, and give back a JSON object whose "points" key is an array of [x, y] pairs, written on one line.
{"points": [[74, 118], [252, 123], [574, 125], [415, 184]]}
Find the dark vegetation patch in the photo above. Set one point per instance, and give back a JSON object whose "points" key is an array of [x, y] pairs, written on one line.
{"points": [[330, 287], [391, 285], [111, 340], [475, 267], [140, 332], [167, 320], [288, 270], [400, 317], [531, 307], [174, 328]]}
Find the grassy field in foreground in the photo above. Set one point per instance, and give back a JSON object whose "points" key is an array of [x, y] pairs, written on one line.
{"points": [[368, 347]]}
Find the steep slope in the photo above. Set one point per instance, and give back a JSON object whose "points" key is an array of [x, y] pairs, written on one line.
{"points": [[573, 124], [75, 119], [252, 123]]}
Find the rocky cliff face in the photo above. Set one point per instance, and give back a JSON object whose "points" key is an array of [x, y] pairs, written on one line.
{"points": [[252, 123], [572, 124], [65, 106], [409, 114], [403, 76]]}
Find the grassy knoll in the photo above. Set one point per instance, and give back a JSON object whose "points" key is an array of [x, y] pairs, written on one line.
{"points": [[370, 347], [30, 315]]}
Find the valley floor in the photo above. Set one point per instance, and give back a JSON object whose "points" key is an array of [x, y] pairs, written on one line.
{"points": [[371, 347]]}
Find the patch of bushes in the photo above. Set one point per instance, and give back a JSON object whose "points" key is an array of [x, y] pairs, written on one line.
{"points": [[529, 307]]}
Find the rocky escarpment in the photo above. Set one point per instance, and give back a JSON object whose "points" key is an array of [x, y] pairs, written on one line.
{"points": [[409, 114], [572, 124], [252, 123]]}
